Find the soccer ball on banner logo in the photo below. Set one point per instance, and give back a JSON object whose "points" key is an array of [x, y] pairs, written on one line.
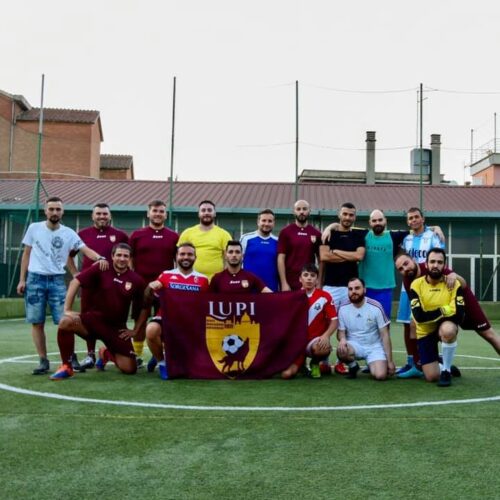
{"points": [[232, 343]]}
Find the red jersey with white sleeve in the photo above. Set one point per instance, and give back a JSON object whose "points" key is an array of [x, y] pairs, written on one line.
{"points": [[321, 312], [175, 280]]}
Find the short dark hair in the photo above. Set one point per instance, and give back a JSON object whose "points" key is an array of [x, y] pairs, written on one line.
{"points": [[435, 250], [157, 203], [121, 246], [53, 199], [234, 243], [361, 280], [414, 209], [210, 202], [309, 268], [100, 205], [185, 244], [266, 211], [349, 205]]}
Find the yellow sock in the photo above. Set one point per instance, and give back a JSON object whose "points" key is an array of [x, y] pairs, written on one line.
{"points": [[138, 347]]}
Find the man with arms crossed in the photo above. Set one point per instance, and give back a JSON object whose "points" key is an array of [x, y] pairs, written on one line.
{"points": [[260, 250], [297, 246], [364, 334], [437, 312], [114, 289], [47, 246], [184, 277]]}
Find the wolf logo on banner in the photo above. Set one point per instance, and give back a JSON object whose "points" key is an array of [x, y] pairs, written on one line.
{"points": [[232, 343]]}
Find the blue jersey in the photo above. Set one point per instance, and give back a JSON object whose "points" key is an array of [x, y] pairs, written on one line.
{"points": [[260, 257], [418, 245]]}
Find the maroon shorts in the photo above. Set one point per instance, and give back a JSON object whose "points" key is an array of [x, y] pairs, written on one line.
{"points": [[99, 328], [474, 318]]}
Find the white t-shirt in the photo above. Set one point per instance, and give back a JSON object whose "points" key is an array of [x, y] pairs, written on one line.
{"points": [[362, 324], [50, 248]]}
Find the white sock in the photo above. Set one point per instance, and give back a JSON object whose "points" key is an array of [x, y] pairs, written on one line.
{"points": [[448, 354]]}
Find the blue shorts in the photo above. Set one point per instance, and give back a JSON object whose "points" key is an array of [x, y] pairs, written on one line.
{"points": [[40, 291], [384, 296], [404, 310], [428, 348]]}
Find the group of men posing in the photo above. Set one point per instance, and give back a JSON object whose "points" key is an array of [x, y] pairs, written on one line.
{"points": [[347, 274]]}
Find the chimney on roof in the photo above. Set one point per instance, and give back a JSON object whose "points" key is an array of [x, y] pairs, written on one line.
{"points": [[435, 177], [370, 157]]}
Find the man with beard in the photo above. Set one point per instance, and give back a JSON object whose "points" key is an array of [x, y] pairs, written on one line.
{"points": [[474, 317], [260, 250], [437, 311], [114, 289], [101, 237], [47, 246], [209, 240], [184, 277], [364, 334], [297, 246], [234, 279], [153, 250]]}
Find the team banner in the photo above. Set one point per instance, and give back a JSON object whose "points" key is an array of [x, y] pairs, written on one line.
{"points": [[216, 336]]}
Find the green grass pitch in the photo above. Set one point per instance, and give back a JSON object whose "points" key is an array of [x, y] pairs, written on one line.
{"points": [[64, 448]]}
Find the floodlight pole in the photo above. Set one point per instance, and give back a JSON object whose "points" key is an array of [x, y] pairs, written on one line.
{"points": [[296, 140], [38, 181], [421, 151], [171, 180]]}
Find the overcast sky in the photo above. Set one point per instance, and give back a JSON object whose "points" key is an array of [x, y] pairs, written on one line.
{"points": [[236, 65]]}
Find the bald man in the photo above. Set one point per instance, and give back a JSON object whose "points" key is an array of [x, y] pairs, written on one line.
{"points": [[298, 245]]}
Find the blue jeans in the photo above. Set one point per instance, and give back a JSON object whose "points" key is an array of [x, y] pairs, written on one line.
{"points": [[40, 291]]}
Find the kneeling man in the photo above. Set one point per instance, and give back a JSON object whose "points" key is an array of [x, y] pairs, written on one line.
{"points": [[114, 290], [364, 334]]}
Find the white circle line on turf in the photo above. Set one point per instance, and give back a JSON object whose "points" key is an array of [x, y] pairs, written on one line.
{"points": [[166, 406]]}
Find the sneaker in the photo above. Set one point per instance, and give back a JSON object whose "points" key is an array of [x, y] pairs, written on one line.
{"points": [[413, 372], [75, 364], [315, 370], [455, 372], [325, 368], [352, 371], [162, 370], [63, 372], [42, 368], [88, 362], [404, 368], [140, 362], [100, 364], [444, 379], [151, 364], [341, 368]]}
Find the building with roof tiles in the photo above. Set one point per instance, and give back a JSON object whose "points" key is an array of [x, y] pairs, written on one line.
{"points": [[469, 216], [71, 143]]}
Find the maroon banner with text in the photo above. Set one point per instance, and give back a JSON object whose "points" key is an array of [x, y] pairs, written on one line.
{"points": [[216, 336]]}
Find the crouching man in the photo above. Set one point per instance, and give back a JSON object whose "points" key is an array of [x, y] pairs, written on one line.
{"points": [[364, 334], [113, 291]]}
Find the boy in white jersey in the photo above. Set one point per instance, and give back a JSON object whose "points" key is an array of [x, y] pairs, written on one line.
{"points": [[364, 334]]}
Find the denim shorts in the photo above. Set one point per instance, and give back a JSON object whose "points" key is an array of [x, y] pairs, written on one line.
{"points": [[40, 291]]}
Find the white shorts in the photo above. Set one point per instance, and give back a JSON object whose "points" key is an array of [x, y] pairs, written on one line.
{"points": [[339, 294], [373, 352]]}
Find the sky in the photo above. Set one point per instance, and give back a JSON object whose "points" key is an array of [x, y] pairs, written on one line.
{"points": [[358, 65]]}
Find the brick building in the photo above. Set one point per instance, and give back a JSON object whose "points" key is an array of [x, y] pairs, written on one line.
{"points": [[71, 145]]}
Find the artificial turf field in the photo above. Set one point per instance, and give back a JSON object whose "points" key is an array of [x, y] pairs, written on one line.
{"points": [[265, 444]]}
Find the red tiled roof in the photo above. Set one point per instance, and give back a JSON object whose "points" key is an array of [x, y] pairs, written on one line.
{"points": [[59, 115], [253, 196], [116, 162]]}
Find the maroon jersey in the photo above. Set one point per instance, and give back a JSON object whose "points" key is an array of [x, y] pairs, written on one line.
{"points": [[153, 251], [240, 282], [300, 246], [113, 292], [101, 241]]}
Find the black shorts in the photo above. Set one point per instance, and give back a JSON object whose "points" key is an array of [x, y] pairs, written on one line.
{"points": [[428, 348]]}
